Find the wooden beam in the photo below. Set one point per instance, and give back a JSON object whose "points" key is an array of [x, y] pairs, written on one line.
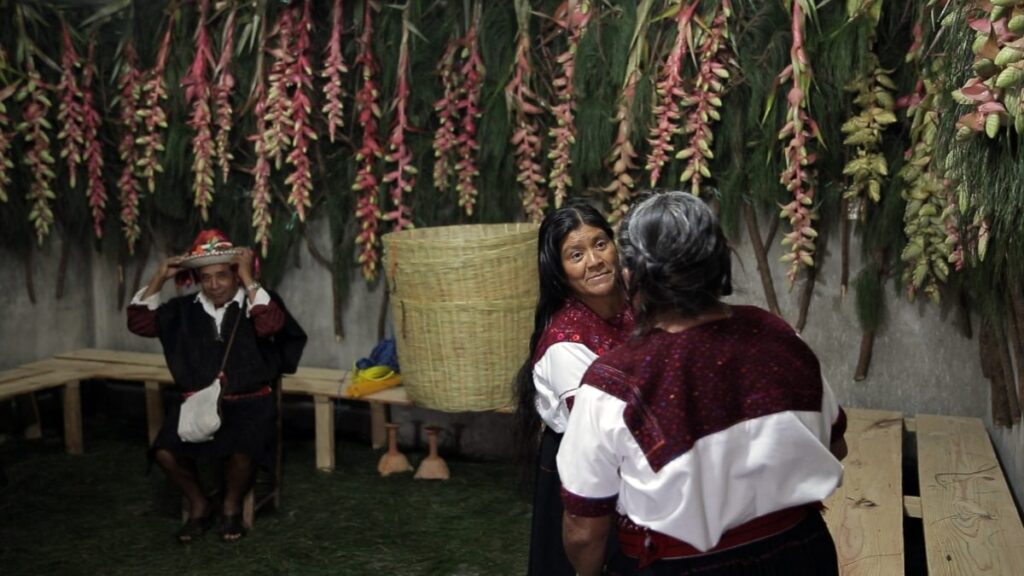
{"points": [[912, 506], [970, 521], [865, 514], [378, 418]]}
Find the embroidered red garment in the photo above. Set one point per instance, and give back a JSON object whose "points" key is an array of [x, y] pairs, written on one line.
{"points": [[681, 387], [576, 322], [266, 319]]}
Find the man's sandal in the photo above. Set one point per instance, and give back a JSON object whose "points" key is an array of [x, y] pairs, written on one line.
{"points": [[231, 528], [193, 529]]}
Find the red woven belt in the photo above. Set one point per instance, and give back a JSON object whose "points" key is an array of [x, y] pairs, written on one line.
{"points": [[649, 546], [261, 392]]}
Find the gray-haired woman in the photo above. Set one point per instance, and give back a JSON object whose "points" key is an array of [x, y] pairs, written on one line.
{"points": [[711, 431]]}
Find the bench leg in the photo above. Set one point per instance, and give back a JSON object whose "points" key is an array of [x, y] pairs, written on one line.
{"points": [[154, 410], [378, 418], [324, 411], [72, 418], [30, 410], [248, 510]]}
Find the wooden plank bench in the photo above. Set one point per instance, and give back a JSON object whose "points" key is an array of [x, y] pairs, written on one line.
{"points": [[322, 384], [971, 525], [24, 380]]}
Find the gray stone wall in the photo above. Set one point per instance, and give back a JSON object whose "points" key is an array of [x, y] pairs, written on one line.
{"points": [[922, 363]]}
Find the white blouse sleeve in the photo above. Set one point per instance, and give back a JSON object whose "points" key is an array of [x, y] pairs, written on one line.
{"points": [[557, 377]]}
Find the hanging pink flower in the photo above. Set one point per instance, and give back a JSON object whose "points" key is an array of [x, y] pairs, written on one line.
{"points": [[128, 184], [468, 106], [222, 98], [300, 130], [70, 113], [403, 177], [154, 118], [334, 72], [92, 153], [526, 139], [575, 15], [367, 184]]}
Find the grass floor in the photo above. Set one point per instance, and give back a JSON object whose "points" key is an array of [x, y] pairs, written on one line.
{"points": [[99, 513]]}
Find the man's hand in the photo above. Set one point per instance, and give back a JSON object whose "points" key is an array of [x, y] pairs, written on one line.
{"points": [[169, 267], [244, 261]]}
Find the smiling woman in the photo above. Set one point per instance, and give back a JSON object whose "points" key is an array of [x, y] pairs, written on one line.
{"points": [[581, 313]]}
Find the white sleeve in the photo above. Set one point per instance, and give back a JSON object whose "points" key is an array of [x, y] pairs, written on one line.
{"points": [[262, 299], [153, 302], [556, 376], [589, 457]]}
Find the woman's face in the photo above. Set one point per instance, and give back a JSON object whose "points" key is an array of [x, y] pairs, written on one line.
{"points": [[590, 262]]}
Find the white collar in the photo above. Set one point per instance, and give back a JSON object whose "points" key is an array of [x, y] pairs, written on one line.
{"points": [[213, 310]]}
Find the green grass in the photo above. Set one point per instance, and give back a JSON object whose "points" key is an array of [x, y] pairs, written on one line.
{"points": [[99, 513]]}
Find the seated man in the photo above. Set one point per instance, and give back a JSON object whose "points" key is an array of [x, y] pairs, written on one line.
{"points": [[235, 323]]}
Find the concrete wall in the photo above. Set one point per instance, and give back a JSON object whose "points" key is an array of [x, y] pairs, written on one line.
{"points": [[921, 364]]}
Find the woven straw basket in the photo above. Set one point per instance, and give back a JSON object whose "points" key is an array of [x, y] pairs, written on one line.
{"points": [[462, 300]]}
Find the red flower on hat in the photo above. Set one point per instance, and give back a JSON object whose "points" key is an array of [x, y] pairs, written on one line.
{"points": [[210, 240]]}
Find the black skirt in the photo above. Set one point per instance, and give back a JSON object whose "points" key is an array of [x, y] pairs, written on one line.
{"points": [[806, 549], [547, 554], [247, 426]]}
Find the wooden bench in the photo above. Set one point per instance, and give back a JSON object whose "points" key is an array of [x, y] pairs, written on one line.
{"points": [[28, 380], [322, 384], [970, 523]]}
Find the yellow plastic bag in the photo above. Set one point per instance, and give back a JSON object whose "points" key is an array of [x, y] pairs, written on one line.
{"points": [[371, 380]]}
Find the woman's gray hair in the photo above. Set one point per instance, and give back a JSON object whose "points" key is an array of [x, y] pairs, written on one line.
{"points": [[677, 257]]}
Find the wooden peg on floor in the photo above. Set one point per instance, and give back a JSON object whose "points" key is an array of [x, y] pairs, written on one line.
{"points": [[393, 461], [433, 466]]}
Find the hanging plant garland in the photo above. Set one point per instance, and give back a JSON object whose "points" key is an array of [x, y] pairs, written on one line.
{"points": [[37, 157], [334, 72], [574, 17], [800, 130], [623, 154], [70, 111], [669, 91], [468, 106], [222, 97], [130, 90], [705, 99], [279, 106], [300, 130], [92, 153], [402, 177], [523, 102], [197, 96], [261, 193], [154, 118], [447, 115], [868, 167], [6, 136], [367, 184], [994, 91]]}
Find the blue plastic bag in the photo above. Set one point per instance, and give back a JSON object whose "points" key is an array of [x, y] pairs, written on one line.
{"points": [[384, 354]]}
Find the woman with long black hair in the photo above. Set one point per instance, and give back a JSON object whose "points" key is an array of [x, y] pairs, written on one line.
{"points": [[582, 312]]}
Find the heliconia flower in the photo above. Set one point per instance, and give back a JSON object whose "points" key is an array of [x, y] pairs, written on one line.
{"points": [[261, 195], [279, 105], [576, 16], [334, 72], [222, 98], [197, 95], [447, 115], [128, 184], [366, 183], [37, 157], [92, 153], [928, 252], [6, 137], [623, 154], [705, 99], [70, 114], [154, 118], [403, 177], [468, 106], [526, 139], [300, 131], [670, 91], [800, 131]]}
